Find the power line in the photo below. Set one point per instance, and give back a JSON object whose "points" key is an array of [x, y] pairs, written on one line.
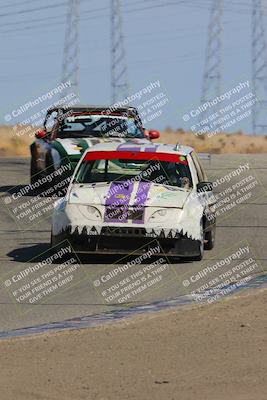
{"points": [[26, 28], [230, 6], [60, 17], [47, 7], [138, 64], [126, 11], [32, 10], [157, 6], [186, 3], [183, 3], [17, 4]]}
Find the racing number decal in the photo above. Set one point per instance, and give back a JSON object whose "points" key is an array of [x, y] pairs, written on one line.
{"points": [[140, 201], [117, 202], [118, 199]]}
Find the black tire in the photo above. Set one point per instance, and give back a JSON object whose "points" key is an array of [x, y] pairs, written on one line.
{"points": [[33, 172], [200, 246], [52, 240], [55, 247], [50, 168], [210, 239], [56, 243]]}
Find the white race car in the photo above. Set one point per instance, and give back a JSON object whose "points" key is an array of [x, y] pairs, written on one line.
{"points": [[123, 197]]}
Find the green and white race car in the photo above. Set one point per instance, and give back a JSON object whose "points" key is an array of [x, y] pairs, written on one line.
{"points": [[69, 131]]}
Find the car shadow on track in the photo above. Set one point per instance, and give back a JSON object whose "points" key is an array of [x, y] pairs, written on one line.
{"points": [[123, 259], [26, 190], [41, 251], [9, 190], [38, 252]]}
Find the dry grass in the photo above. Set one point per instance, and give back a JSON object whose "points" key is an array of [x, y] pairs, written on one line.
{"points": [[218, 144], [15, 141]]}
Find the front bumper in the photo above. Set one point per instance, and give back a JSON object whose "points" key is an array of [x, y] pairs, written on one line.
{"points": [[126, 240]]}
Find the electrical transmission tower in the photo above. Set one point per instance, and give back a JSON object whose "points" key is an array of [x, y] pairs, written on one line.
{"points": [[119, 79], [212, 70], [70, 68], [259, 69]]}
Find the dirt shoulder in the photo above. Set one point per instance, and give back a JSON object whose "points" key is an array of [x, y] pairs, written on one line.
{"points": [[215, 352]]}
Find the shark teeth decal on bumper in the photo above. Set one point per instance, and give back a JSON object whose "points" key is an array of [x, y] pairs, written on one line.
{"points": [[91, 230], [84, 230], [124, 240]]}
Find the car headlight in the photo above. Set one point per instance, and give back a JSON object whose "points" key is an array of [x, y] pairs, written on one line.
{"points": [[158, 215], [91, 213], [165, 215]]}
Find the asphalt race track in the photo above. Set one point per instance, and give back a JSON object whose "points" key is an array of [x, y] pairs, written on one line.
{"points": [[244, 225]]}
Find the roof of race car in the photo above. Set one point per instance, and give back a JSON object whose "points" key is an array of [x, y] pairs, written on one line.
{"points": [[134, 145], [82, 107]]}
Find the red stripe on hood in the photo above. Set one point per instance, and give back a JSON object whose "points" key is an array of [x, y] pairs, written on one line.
{"points": [[133, 155]]}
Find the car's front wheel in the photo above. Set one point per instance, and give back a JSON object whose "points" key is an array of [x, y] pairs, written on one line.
{"points": [[56, 244], [200, 245], [210, 239]]}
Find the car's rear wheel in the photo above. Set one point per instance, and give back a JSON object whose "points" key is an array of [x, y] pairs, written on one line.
{"points": [[33, 172]]}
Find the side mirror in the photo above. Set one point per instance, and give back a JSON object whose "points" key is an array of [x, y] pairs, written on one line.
{"points": [[40, 134], [204, 187], [153, 134]]}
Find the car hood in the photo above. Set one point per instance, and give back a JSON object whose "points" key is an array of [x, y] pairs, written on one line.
{"points": [[146, 194]]}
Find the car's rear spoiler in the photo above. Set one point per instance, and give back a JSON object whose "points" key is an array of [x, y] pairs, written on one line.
{"points": [[205, 156]]}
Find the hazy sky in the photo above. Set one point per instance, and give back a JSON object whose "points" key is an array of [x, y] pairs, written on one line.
{"points": [[164, 41]]}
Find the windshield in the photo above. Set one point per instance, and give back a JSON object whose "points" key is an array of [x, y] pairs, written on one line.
{"points": [[174, 172], [99, 126]]}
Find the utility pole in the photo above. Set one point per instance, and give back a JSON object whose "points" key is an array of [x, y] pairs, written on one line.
{"points": [[119, 78], [259, 69], [212, 70], [70, 67]]}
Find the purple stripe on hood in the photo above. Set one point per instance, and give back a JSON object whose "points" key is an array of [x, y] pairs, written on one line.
{"points": [[140, 201], [151, 149], [117, 201], [128, 147]]}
